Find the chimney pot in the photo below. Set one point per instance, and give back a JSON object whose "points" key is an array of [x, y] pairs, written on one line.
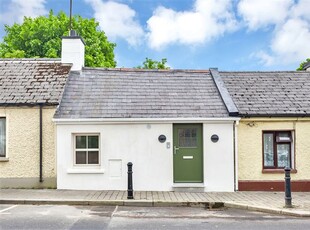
{"points": [[73, 33]]}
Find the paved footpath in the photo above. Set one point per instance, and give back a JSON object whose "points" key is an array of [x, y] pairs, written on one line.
{"points": [[271, 202]]}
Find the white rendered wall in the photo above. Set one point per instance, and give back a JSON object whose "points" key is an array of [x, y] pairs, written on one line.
{"points": [[218, 158], [73, 51], [152, 160], [138, 143]]}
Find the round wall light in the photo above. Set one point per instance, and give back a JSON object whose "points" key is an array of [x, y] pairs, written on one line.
{"points": [[215, 138], [162, 138]]}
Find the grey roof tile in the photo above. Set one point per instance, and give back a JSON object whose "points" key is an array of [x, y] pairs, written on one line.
{"points": [[269, 93], [32, 81], [132, 93]]}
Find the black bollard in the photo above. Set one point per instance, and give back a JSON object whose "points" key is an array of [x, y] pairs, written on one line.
{"points": [[130, 187], [288, 196]]}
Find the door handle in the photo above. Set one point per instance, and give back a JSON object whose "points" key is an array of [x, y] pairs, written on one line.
{"points": [[175, 149]]}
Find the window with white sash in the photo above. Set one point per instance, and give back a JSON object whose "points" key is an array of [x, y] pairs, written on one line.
{"points": [[86, 149]]}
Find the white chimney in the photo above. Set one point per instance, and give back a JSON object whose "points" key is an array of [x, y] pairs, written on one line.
{"points": [[73, 51]]}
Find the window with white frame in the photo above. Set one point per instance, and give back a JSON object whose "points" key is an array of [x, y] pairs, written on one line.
{"points": [[86, 149], [2, 137], [278, 149]]}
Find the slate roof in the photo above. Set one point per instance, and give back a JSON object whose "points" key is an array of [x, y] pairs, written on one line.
{"points": [[132, 93], [32, 81], [269, 93]]}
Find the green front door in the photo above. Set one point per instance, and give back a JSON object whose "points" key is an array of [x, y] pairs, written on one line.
{"points": [[187, 153]]}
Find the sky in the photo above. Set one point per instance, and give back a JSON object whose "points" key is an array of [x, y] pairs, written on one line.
{"points": [[231, 35]]}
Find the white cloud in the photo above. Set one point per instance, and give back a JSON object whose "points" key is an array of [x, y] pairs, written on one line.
{"points": [[17, 9], [117, 20], [290, 32], [262, 13], [292, 41], [264, 58], [207, 20], [302, 9]]}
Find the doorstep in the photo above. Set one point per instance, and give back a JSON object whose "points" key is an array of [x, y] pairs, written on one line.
{"points": [[188, 187]]}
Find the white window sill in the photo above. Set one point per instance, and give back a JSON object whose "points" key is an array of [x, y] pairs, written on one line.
{"points": [[4, 159], [84, 171]]}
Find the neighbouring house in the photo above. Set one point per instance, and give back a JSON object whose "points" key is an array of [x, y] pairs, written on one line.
{"points": [[307, 66], [274, 130], [171, 124], [30, 90]]}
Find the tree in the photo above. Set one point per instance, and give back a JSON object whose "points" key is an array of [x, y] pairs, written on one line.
{"points": [[152, 64], [301, 66], [41, 37]]}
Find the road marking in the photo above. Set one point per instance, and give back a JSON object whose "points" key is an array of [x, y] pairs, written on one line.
{"points": [[3, 210], [115, 210]]}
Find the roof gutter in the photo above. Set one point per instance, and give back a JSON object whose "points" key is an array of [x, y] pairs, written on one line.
{"points": [[274, 115], [28, 104], [143, 120], [229, 103]]}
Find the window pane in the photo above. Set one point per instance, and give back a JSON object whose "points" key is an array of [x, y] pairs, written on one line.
{"points": [[2, 137], [283, 151], [80, 157], [93, 142], [80, 142], [93, 157], [284, 134], [187, 137], [268, 150]]}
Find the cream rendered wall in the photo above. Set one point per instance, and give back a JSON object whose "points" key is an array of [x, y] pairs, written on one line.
{"points": [[152, 160], [250, 147], [22, 167]]}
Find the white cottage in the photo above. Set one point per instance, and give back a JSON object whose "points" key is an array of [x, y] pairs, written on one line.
{"points": [[171, 124]]}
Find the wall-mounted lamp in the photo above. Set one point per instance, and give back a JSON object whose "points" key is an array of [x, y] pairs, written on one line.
{"points": [[162, 138], [215, 138]]}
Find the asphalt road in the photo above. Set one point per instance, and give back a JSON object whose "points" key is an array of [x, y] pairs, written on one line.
{"points": [[119, 217]]}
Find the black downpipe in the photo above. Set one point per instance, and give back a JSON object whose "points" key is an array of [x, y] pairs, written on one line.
{"points": [[234, 151], [41, 145]]}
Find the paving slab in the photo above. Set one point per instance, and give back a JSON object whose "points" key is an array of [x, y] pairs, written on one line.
{"points": [[271, 202]]}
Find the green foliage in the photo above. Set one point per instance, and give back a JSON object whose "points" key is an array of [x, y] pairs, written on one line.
{"points": [[301, 66], [15, 54], [152, 64], [41, 37]]}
